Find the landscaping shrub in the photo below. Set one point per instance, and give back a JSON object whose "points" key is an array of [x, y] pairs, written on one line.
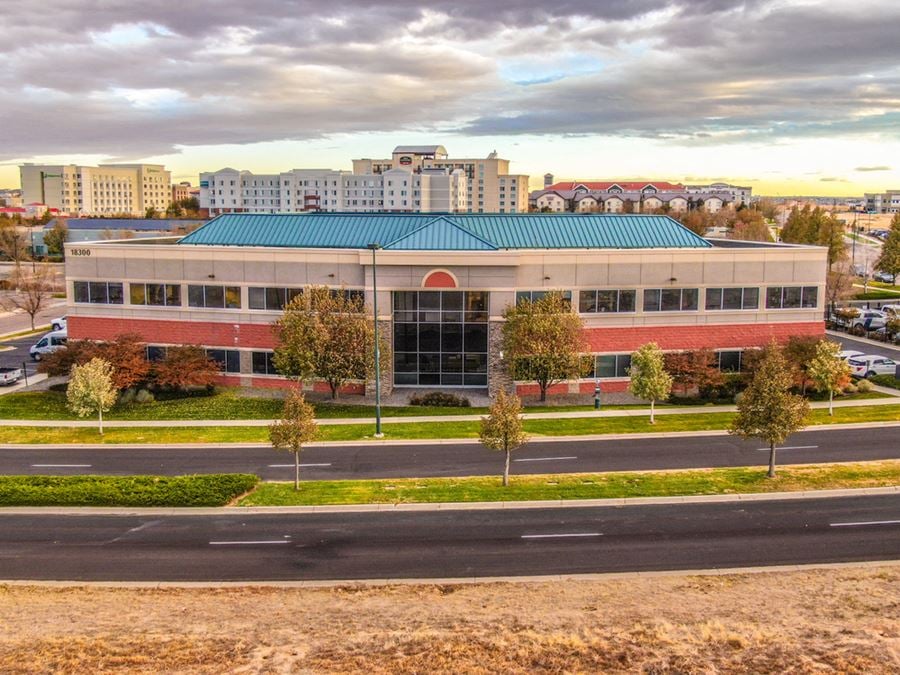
{"points": [[864, 386], [202, 490], [143, 396], [851, 389], [439, 399], [886, 381]]}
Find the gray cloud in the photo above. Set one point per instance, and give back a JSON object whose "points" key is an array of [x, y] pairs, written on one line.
{"points": [[872, 168], [136, 79]]}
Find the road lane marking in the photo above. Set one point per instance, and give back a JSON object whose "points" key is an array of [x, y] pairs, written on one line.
{"points": [[557, 536], [61, 466], [541, 459], [248, 543], [793, 447], [863, 523], [284, 466]]}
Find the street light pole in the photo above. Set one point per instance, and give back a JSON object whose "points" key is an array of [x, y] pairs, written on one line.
{"points": [[378, 433]]}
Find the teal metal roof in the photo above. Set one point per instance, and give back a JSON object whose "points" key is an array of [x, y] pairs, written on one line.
{"points": [[446, 232]]}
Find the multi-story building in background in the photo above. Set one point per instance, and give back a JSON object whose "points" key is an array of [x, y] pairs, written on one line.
{"points": [[883, 202], [398, 190], [11, 198], [491, 188], [740, 195], [624, 197], [108, 189], [181, 191]]}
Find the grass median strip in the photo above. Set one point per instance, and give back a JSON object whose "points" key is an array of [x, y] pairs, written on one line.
{"points": [[577, 486], [201, 490], [432, 430]]}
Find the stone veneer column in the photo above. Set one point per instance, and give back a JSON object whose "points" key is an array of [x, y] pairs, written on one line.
{"points": [[498, 376], [385, 332]]}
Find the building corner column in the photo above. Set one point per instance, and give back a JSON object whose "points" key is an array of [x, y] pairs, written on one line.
{"points": [[498, 374]]}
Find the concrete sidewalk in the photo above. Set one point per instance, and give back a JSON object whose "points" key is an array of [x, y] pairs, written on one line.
{"points": [[577, 414]]}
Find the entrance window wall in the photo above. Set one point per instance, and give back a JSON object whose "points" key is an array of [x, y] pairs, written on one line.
{"points": [[440, 338]]}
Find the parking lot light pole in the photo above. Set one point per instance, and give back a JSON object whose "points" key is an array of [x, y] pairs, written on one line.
{"points": [[378, 433]]}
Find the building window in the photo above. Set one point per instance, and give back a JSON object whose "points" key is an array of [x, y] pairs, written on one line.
{"points": [[440, 338], [671, 299], [732, 298], [228, 360], [99, 292], [158, 295], [792, 297], [611, 365], [214, 297], [262, 363], [156, 353], [729, 361], [590, 302], [534, 296]]}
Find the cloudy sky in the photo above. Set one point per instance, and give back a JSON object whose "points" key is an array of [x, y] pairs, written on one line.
{"points": [[792, 96]]}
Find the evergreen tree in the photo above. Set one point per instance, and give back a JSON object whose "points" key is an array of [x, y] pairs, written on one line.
{"points": [[889, 261]]}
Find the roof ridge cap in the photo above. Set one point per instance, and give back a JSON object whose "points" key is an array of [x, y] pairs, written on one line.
{"points": [[443, 217]]}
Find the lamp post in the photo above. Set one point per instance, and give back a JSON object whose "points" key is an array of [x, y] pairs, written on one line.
{"points": [[378, 434]]}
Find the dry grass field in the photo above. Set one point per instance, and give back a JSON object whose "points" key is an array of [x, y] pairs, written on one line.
{"points": [[818, 621]]}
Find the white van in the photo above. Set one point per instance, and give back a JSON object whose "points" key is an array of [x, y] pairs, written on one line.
{"points": [[49, 343]]}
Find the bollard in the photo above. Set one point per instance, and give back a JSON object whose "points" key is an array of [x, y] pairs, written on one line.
{"points": [[597, 395]]}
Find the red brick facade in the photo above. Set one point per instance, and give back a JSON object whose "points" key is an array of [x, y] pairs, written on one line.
{"points": [[712, 336], [206, 333]]}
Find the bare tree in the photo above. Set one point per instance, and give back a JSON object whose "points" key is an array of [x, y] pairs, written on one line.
{"points": [[33, 293], [14, 247]]}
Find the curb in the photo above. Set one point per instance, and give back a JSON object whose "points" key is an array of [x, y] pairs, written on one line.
{"points": [[422, 441], [443, 581], [617, 502]]}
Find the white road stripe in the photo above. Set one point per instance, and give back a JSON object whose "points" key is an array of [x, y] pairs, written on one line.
{"points": [[61, 466], [862, 523], [557, 536], [248, 543], [793, 447], [291, 466], [542, 459]]}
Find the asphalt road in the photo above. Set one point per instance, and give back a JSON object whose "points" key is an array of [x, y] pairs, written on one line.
{"points": [[867, 346], [429, 460], [435, 544], [15, 357]]}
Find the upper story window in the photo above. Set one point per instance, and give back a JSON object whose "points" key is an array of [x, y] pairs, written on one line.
{"points": [[606, 301], [215, 297], [671, 299], [99, 292], [228, 360], [791, 297], [534, 296], [159, 295], [732, 298]]}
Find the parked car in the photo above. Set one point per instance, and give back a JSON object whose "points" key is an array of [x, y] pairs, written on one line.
{"points": [[58, 323], [849, 354], [10, 376], [868, 319], [868, 365], [858, 270], [883, 277], [893, 310], [48, 344]]}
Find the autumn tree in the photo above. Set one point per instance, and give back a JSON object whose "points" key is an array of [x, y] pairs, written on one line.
{"points": [[889, 260], [767, 409], [327, 334], [33, 293], [695, 369], [839, 284], [128, 355], [750, 225], [649, 379], [296, 428], [502, 429], [799, 351], [543, 341], [816, 226], [91, 389], [184, 367], [59, 363], [55, 239], [13, 246], [829, 371]]}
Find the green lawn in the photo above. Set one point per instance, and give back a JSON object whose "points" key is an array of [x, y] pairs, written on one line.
{"points": [[206, 490], [226, 404], [575, 486], [424, 430], [877, 295]]}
